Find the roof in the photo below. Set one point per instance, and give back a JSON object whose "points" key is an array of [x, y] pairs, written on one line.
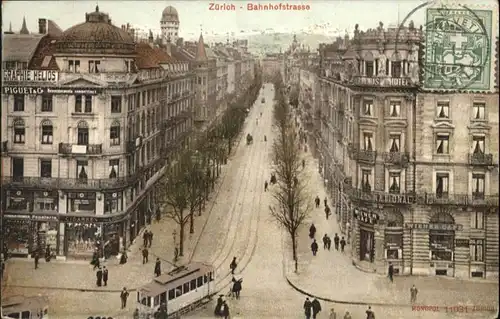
{"points": [[169, 14], [149, 57], [53, 29], [19, 47], [43, 58], [20, 303], [210, 53], [201, 54]]}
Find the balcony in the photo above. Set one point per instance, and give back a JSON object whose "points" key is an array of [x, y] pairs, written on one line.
{"points": [[66, 183], [364, 156], [186, 93], [481, 159], [74, 149], [397, 158]]}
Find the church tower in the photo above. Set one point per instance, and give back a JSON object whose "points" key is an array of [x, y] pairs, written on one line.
{"points": [[169, 25]]}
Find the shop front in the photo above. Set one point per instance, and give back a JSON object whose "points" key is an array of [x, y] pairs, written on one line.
{"points": [[366, 222], [393, 237]]}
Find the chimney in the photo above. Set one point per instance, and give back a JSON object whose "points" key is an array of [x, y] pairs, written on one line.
{"points": [[42, 26]]}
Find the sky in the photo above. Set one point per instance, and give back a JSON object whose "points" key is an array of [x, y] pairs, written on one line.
{"points": [[196, 15]]}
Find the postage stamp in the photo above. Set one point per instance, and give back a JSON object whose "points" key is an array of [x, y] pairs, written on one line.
{"points": [[459, 50]]}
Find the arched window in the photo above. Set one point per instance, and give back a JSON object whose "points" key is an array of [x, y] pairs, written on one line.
{"points": [[441, 236], [47, 132], [83, 133], [114, 133], [19, 131]]}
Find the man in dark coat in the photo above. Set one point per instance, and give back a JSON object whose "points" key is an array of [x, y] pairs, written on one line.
{"points": [[265, 186], [316, 307], [325, 201], [336, 241], [327, 211], [37, 257], [307, 308], [145, 238], [218, 307], [314, 247], [312, 231], [233, 265], [391, 272], [325, 241], [225, 310], [158, 267], [317, 201], [145, 254], [150, 238], [329, 243], [123, 297], [98, 275], [369, 313], [105, 275], [342, 244]]}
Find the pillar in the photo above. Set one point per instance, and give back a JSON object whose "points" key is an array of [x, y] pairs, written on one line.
{"points": [[62, 250], [380, 262]]}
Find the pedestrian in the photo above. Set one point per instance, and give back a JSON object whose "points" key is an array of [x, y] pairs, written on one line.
{"points": [[391, 272], [325, 201], [312, 231], [303, 163], [37, 257], [307, 308], [316, 307], [325, 241], [413, 294], [105, 275], [233, 265], [150, 238], [265, 186], [123, 296], [317, 201], [176, 253], [47, 253], [157, 267], [145, 238], [369, 313], [333, 314], [218, 307], [145, 255], [327, 211], [342, 244], [348, 228], [225, 310], [329, 243], [123, 258], [314, 247], [95, 260], [347, 315], [336, 241], [98, 275]]}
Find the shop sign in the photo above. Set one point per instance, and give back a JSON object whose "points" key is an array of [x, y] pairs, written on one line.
{"points": [[92, 219], [384, 82], [30, 76], [434, 226], [462, 242], [82, 195], [15, 216], [46, 194], [396, 199], [32, 90], [34, 217], [16, 196], [366, 217]]}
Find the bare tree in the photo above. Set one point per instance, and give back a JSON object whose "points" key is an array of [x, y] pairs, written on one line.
{"points": [[292, 202]]}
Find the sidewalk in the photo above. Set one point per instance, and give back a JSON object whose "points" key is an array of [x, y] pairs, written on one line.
{"points": [[331, 275]]}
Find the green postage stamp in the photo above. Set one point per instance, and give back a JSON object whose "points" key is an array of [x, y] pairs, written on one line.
{"points": [[460, 48]]}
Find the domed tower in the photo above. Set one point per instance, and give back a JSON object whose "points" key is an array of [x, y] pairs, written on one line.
{"points": [[169, 24]]}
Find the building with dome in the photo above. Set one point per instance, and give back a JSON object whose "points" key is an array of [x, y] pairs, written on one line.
{"points": [[91, 119], [169, 24]]}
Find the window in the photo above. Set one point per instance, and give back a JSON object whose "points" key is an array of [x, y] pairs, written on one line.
{"points": [[394, 143], [368, 108], [193, 284], [365, 180], [478, 144], [477, 250], [442, 185], [116, 104], [394, 182], [127, 66], [18, 103], [94, 66], [442, 143], [478, 186], [369, 68], [82, 133], [367, 141], [478, 111], [47, 132], [178, 291], [78, 103], [88, 104], [46, 168], [171, 294], [395, 109], [185, 288], [396, 69], [443, 110], [74, 66], [477, 220], [47, 103], [114, 133], [199, 281], [19, 132], [114, 168], [81, 170]]}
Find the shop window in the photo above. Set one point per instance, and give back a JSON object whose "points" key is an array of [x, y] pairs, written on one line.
{"points": [[478, 111], [441, 242], [477, 220], [367, 141], [116, 104], [114, 133], [367, 108], [394, 182], [477, 250], [395, 109], [46, 168], [82, 133], [394, 143], [112, 203], [442, 143], [478, 144], [442, 185], [365, 180], [81, 170], [47, 132], [82, 238], [82, 205], [18, 103], [46, 206], [47, 103], [19, 131], [443, 110], [478, 181]]}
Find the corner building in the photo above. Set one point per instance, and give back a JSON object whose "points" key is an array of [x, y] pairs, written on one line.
{"points": [[82, 152], [410, 186]]}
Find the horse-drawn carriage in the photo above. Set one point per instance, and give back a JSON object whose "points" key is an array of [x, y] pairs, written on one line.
{"points": [[249, 139]]}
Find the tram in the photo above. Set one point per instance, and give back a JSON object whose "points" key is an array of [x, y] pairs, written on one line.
{"points": [[180, 291], [19, 307]]}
